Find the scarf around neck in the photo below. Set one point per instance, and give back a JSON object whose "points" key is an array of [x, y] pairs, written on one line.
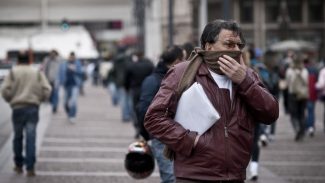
{"points": [[196, 58]]}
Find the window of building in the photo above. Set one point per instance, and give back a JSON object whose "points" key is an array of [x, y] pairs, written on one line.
{"points": [[272, 10], [295, 10], [315, 10], [246, 11]]}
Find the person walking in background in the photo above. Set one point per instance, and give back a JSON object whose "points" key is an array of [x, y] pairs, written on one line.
{"points": [[312, 98], [25, 88], [51, 67], [222, 152], [136, 72], [284, 65], [149, 88], [70, 78], [320, 86], [188, 48], [297, 79], [117, 78]]}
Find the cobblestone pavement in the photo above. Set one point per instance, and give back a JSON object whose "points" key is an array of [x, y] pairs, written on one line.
{"points": [[93, 149]]}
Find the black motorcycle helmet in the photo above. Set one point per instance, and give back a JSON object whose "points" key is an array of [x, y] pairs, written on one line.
{"points": [[139, 161]]}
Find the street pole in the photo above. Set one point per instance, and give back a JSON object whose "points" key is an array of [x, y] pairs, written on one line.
{"points": [[225, 9], [44, 14], [203, 17], [171, 23], [139, 11]]}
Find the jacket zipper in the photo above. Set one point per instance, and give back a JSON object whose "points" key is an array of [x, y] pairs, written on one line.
{"points": [[226, 133], [166, 112]]}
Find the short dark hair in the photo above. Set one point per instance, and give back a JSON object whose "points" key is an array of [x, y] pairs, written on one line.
{"points": [[188, 47], [72, 54], [171, 54], [212, 29], [23, 57]]}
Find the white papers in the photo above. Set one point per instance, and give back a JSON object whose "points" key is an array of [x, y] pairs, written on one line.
{"points": [[195, 112]]}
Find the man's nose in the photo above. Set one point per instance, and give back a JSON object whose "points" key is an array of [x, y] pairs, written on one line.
{"points": [[236, 47]]}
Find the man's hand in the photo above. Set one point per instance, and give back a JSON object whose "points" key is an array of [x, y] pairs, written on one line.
{"points": [[231, 68]]}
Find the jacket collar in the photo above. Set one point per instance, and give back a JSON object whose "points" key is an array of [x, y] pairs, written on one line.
{"points": [[203, 69]]}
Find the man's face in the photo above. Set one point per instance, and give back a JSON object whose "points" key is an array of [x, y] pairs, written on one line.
{"points": [[72, 58], [227, 41]]}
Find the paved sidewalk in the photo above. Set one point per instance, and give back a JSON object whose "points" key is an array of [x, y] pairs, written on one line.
{"points": [[93, 149]]}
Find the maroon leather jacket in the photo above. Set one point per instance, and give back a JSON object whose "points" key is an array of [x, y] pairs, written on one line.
{"points": [[223, 152]]}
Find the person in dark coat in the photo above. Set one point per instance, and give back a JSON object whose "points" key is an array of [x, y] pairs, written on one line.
{"points": [[149, 88], [136, 72], [117, 79]]}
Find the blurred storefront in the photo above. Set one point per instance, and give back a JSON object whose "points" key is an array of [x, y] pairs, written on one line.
{"points": [[107, 22], [264, 22]]}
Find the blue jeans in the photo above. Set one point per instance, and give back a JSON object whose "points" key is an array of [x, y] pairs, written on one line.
{"points": [[54, 98], [126, 104], [166, 167], [25, 119], [310, 114], [70, 100], [113, 92]]}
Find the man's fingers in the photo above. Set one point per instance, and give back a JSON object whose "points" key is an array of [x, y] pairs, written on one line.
{"points": [[230, 59], [225, 62]]}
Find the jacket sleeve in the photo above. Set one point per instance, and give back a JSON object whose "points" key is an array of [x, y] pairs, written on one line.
{"points": [[7, 90], [261, 103], [149, 89], [159, 118]]}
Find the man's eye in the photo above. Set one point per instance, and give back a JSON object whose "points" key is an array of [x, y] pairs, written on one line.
{"points": [[230, 45]]}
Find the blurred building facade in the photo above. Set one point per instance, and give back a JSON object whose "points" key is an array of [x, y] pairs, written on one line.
{"points": [[264, 22], [106, 20]]}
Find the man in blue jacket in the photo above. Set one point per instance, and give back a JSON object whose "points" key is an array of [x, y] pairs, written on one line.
{"points": [[70, 78]]}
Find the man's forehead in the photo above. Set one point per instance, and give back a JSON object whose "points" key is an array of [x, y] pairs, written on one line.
{"points": [[229, 35]]}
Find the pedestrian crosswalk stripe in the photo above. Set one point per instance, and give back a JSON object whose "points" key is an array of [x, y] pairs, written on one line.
{"points": [[92, 174], [84, 140], [81, 160], [84, 149]]}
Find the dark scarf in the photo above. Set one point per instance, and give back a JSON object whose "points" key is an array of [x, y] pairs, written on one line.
{"points": [[209, 58]]}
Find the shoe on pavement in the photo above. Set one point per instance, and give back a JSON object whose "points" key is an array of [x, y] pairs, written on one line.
{"points": [[264, 140], [253, 169], [311, 131], [254, 178], [31, 173], [72, 120], [18, 169]]}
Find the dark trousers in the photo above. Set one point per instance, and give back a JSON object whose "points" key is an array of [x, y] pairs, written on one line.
{"points": [[25, 119], [297, 114], [256, 148]]}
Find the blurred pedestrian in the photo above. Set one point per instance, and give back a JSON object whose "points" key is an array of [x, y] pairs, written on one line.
{"points": [[320, 85], [312, 98], [284, 65], [188, 47], [223, 151], [70, 78], [116, 77], [136, 72], [51, 68], [149, 88], [297, 79], [25, 88]]}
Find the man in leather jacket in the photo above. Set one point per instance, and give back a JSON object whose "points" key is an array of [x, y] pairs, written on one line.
{"points": [[222, 153]]}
